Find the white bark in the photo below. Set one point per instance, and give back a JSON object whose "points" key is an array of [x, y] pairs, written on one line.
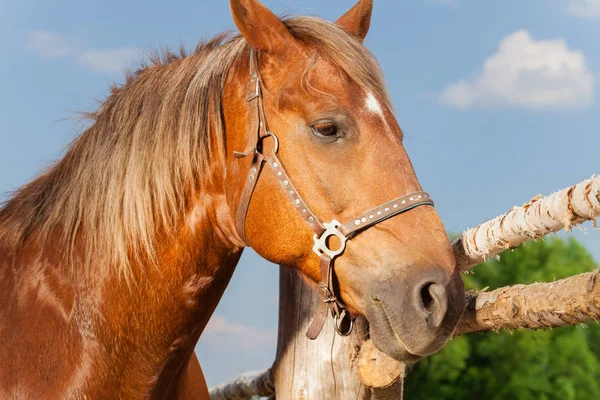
{"points": [[245, 387], [570, 301], [541, 216]]}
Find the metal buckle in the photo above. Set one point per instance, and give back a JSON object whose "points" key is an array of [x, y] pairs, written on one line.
{"points": [[252, 91], [340, 318], [321, 247], [328, 297]]}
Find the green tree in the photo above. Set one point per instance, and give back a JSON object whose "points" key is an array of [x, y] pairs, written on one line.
{"points": [[561, 364]]}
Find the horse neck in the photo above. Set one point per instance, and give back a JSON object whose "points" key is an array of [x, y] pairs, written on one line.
{"points": [[173, 303], [140, 330]]}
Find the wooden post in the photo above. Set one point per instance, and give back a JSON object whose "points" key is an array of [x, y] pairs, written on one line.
{"points": [[324, 368], [328, 367]]}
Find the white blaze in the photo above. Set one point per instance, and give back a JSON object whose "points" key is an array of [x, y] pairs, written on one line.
{"points": [[373, 105]]}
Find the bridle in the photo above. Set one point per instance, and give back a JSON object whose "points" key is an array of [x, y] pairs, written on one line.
{"points": [[322, 231]]}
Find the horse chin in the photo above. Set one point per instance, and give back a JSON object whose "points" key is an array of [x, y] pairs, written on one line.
{"points": [[407, 347], [395, 349]]}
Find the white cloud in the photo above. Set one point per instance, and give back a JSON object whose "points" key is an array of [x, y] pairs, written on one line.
{"points": [[584, 8], [529, 74], [109, 60], [54, 45], [50, 44], [220, 330]]}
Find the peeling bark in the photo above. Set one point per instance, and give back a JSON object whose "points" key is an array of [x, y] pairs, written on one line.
{"points": [[570, 301], [540, 216], [245, 386]]}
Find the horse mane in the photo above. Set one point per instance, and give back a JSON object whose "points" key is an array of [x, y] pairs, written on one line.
{"points": [[144, 158]]}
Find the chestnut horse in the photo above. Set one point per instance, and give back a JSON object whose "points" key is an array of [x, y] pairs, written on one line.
{"points": [[113, 260]]}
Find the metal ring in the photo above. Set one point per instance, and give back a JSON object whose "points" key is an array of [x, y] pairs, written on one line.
{"points": [[276, 148], [337, 325], [328, 297], [321, 247]]}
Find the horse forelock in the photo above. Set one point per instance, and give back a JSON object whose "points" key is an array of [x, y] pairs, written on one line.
{"points": [[145, 157]]}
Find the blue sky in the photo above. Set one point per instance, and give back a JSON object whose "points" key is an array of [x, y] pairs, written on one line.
{"points": [[498, 100]]}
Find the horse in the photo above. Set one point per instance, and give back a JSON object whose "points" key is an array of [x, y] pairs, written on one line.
{"points": [[113, 259]]}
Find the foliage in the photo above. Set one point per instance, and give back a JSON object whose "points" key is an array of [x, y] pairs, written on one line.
{"points": [[561, 364]]}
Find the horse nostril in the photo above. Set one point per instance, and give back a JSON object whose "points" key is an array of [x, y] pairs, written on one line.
{"points": [[434, 302], [426, 297]]}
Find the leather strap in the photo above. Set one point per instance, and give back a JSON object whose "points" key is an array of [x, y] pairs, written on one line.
{"points": [[253, 97], [257, 123], [385, 211], [250, 185], [322, 231], [293, 195], [326, 297]]}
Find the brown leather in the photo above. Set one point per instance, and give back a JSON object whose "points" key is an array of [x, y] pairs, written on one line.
{"points": [[292, 193], [255, 169], [258, 124], [326, 297], [329, 301], [385, 211]]}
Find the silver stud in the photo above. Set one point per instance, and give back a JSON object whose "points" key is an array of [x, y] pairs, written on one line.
{"points": [[395, 205], [279, 173], [297, 201], [357, 222], [378, 212], [426, 196], [292, 192], [371, 216], [420, 196], [387, 209], [275, 165], [364, 219], [403, 201], [304, 210], [311, 219], [253, 170], [285, 183], [412, 199]]}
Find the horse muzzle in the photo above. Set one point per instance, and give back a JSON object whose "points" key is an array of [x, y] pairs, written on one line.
{"points": [[413, 319]]}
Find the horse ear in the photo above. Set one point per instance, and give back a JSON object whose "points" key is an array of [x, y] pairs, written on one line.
{"points": [[358, 19], [259, 26]]}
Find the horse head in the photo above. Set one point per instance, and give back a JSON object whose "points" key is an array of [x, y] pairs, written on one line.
{"points": [[307, 102]]}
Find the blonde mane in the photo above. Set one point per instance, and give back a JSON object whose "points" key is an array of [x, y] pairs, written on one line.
{"points": [[134, 171]]}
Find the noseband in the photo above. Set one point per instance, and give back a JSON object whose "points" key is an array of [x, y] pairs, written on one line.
{"points": [[322, 231]]}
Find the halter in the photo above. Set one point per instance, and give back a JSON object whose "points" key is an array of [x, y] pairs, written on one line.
{"points": [[322, 230]]}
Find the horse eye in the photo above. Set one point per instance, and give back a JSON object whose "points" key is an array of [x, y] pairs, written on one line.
{"points": [[326, 129]]}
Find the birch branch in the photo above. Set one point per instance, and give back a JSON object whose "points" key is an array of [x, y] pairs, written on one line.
{"points": [[570, 301], [541, 216], [245, 387]]}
